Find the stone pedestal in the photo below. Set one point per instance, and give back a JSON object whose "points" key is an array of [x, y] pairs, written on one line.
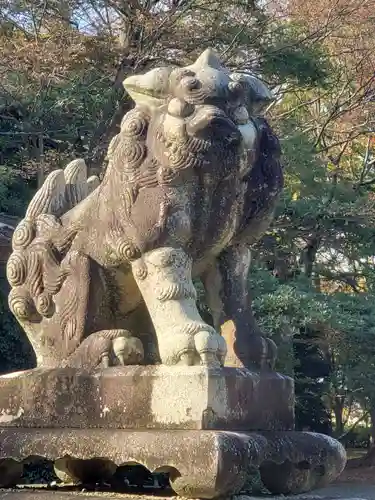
{"points": [[206, 427], [148, 397]]}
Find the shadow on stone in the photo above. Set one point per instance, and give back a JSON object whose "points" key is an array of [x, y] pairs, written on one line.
{"points": [[38, 470], [288, 478], [91, 471], [135, 476], [10, 472]]}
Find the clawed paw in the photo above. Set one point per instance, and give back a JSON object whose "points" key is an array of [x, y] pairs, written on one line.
{"points": [[128, 350], [206, 347], [211, 347], [121, 349]]}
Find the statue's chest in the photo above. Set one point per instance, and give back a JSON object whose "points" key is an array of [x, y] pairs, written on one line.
{"points": [[217, 212]]}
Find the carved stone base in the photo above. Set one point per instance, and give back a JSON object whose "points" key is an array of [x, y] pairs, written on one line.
{"points": [[201, 464], [148, 397], [192, 422]]}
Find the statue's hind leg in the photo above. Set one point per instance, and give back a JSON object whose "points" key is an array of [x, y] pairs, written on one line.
{"points": [[164, 278], [226, 285]]}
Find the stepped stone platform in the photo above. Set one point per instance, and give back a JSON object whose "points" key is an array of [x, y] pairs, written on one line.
{"points": [[195, 423]]}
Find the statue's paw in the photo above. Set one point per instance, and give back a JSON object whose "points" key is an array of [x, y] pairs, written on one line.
{"points": [[198, 344], [107, 348], [127, 349], [211, 347]]}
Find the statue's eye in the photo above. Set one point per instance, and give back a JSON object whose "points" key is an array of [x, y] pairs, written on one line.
{"points": [[191, 89], [179, 75], [183, 73], [190, 83], [236, 88]]}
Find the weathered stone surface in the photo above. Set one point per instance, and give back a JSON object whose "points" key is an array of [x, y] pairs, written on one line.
{"points": [[202, 464], [341, 492], [152, 397], [101, 273], [308, 461]]}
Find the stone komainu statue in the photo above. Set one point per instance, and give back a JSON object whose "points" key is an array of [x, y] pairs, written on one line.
{"points": [[102, 273]]}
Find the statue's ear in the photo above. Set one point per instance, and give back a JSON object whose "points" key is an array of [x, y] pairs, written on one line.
{"points": [[151, 88], [257, 95]]}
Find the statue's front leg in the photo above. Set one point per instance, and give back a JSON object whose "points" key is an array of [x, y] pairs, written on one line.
{"points": [[226, 286], [164, 279]]}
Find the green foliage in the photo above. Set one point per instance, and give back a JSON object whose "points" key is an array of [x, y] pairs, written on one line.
{"points": [[14, 191], [289, 54], [355, 346], [15, 350]]}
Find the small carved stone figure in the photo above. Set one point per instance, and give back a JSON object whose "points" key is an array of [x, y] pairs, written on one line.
{"points": [[102, 273]]}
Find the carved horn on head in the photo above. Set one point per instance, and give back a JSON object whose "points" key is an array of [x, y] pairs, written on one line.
{"points": [[208, 58]]}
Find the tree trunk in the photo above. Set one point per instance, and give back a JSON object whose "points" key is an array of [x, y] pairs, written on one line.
{"points": [[38, 156], [372, 429], [338, 409], [309, 254]]}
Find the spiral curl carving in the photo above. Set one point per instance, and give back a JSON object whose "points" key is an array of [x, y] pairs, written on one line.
{"points": [[21, 304], [128, 251], [134, 125], [23, 235], [183, 159], [45, 305], [130, 154], [141, 272], [35, 278], [17, 269]]}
